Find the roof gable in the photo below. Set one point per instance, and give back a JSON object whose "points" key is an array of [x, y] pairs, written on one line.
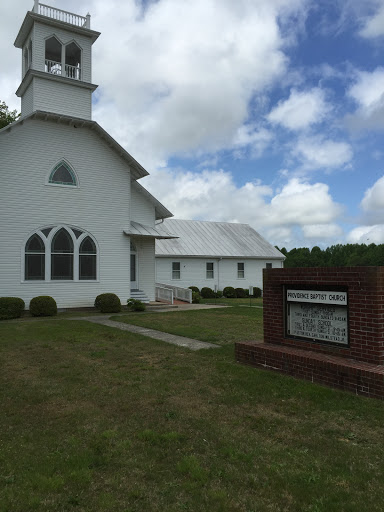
{"points": [[137, 171]]}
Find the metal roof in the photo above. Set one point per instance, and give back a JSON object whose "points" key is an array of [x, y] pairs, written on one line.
{"points": [[215, 240], [138, 229]]}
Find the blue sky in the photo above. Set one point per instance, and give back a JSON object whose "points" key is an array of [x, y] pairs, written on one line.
{"points": [[268, 112]]}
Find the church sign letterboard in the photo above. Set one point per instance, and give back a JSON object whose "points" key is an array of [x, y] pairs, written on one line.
{"points": [[317, 315]]}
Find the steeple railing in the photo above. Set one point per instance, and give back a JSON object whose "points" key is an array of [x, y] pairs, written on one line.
{"points": [[65, 16]]}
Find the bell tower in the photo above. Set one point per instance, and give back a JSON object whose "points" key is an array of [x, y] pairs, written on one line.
{"points": [[56, 62]]}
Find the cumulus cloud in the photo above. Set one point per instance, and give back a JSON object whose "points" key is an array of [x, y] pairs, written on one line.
{"points": [[213, 195], [368, 93], [373, 200], [300, 110], [322, 231], [374, 25], [183, 73], [317, 152], [367, 235]]}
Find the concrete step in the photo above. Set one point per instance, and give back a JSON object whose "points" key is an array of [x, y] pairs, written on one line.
{"points": [[139, 295]]}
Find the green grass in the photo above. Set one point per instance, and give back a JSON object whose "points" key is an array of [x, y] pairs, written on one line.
{"points": [[94, 419], [221, 326]]}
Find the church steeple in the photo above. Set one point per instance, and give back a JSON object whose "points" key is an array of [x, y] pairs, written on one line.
{"points": [[56, 62]]}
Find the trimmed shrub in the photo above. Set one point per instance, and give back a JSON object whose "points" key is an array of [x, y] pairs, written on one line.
{"points": [[229, 292], [135, 305], [194, 289], [108, 303], [11, 307], [256, 292], [207, 293], [219, 294], [240, 293], [195, 297], [43, 305]]}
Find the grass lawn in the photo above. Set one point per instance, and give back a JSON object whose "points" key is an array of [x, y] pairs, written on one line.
{"points": [[221, 326], [235, 302], [95, 419]]}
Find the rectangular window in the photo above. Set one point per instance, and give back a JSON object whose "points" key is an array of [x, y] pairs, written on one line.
{"points": [[268, 265], [87, 267], [175, 269], [209, 270], [240, 271], [62, 266], [34, 267]]}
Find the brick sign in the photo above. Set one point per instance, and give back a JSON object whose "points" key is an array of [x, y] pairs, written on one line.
{"points": [[317, 315]]}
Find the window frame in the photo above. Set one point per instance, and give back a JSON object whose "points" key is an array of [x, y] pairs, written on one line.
{"points": [[268, 265], [47, 240], [240, 270], [175, 270], [71, 171], [211, 270]]}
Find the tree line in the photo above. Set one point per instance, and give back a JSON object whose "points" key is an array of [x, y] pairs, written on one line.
{"points": [[348, 255]]}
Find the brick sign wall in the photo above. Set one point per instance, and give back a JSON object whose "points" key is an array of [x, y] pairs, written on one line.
{"points": [[365, 290], [325, 325]]}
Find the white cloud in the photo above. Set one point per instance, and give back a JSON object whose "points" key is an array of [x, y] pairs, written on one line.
{"points": [[182, 75], [213, 195], [367, 235], [373, 200], [319, 153], [374, 26], [368, 93], [322, 231], [301, 109]]}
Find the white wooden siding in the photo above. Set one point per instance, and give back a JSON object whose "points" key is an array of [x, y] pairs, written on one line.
{"points": [[141, 208], [193, 272], [60, 98], [27, 101], [100, 205]]}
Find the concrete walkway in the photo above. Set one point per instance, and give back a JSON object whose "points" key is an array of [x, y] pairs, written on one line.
{"points": [[181, 341]]}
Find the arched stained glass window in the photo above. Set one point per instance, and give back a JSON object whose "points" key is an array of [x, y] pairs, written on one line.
{"points": [[62, 256], [73, 254], [87, 259], [62, 174], [34, 259]]}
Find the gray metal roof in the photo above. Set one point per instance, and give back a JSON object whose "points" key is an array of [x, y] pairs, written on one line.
{"points": [[214, 239], [138, 229]]}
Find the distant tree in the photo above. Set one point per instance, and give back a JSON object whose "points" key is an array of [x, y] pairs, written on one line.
{"points": [[6, 116]]}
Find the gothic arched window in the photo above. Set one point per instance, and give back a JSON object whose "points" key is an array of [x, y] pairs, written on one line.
{"points": [[34, 259], [62, 174], [62, 256]]}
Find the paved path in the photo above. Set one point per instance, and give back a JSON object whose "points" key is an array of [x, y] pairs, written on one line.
{"points": [[181, 341]]}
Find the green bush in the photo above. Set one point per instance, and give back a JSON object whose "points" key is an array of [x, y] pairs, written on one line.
{"points": [[240, 293], [135, 305], [256, 292], [194, 289], [43, 305], [207, 293], [11, 307], [108, 303], [219, 294], [195, 297], [229, 292]]}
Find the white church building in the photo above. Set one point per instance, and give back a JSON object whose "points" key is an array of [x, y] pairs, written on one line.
{"points": [[74, 220]]}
